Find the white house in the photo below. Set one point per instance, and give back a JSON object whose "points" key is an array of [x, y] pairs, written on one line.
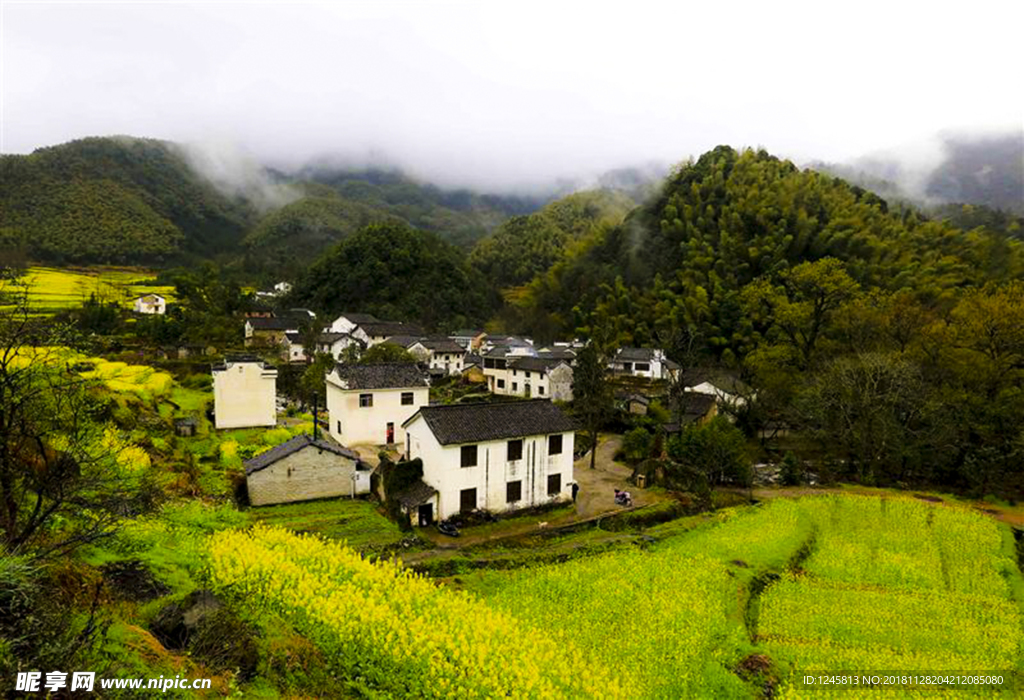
{"points": [[282, 288], [303, 469], [726, 389], [650, 363], [440, 354], [371, 330], [469, 338], [490, 456], [150, 304], [508, 345], [335, 343], [293, 348], [367, 404], [244, 394], [530, 377]]}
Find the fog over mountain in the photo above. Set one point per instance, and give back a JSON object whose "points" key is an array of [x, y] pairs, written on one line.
{"points": [[499, 96]]}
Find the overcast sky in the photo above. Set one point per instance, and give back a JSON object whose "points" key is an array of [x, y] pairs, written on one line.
{"points": [[499, 94]]}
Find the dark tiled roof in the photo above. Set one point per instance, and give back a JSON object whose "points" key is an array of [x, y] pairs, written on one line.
{"points": [[331, 338], [237, 359], [472, 359], [359, 318], [442, 344], [294, 337], [479, 422], [467, 333], [509, 341], [415, 494], [274, 324], [405, 341], [533, 364], [274, 454], [381, 375], [697, 405], [389, 328], [634, 355], [557, 354]]}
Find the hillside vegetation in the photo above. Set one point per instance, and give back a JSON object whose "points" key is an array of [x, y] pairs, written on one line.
{"points": [[525, 246], [683, 259], [114, 200], [397, 272]]}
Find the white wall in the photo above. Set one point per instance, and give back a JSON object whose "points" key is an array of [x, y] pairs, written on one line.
{"points": [[368, 426], [304, 475], [244, 396], [442, 469]]}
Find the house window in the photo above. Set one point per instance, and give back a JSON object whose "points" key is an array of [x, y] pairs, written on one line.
{"points": [[554, 484], [515, 387], [469, 455], [514, 373], [407, 398], [540, 390], [513, 491], [643, 367], [339, 427], [515, 450], [627, 366], [488, 363], [365, 400], [527, 375], [554, 444], [501, 383]]}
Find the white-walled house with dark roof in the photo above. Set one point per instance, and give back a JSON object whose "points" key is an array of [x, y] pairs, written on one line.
{"points": [[367, 404], [244, 393], [491, 456], [304, 469]]}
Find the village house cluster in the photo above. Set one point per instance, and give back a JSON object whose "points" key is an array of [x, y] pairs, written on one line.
{"points": [[495, 456]]}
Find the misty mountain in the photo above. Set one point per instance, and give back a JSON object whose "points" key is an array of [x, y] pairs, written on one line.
{"points": [[985, 170], [525, 246], [115, 200], [682, 260], [975, 169]]}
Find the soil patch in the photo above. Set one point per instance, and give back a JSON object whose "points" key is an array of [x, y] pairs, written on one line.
{"points": [[132, 580]]}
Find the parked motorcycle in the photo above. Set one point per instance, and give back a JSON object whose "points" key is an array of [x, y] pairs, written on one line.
{"points": [[622, 498], [446, 528]]}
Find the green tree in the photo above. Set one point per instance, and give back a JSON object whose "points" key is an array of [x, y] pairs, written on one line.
{"points": [[715, 450], [591, 394], [637, 444], [386, 352]]}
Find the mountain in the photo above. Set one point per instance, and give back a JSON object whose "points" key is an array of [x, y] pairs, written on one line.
{"points": [[977, 169], [399, 273], [460, 216], [986, 170], [682, 260], [525, 246], [115, 200]]}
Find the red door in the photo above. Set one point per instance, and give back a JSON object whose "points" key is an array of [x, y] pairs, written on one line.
{"points": [[391, 433]]}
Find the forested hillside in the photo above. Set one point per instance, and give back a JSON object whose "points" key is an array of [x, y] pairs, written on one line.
{"points": [[683, 260], [114, 200], [397, 272], [525, 246]]}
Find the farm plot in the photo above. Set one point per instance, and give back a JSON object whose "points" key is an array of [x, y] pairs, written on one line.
{"points": [[51, 289], [897, 585], [395, 630]]}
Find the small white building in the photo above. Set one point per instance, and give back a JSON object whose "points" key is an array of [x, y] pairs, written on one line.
{"points": [[244, 394], [282, 288], [368, 403], [469, 339], [150, 304], [294, 351], [649, 363], [727, 389], [335, 343], [490, 456], [371, 330], [531, 377], [303, 469], [439, 354]]}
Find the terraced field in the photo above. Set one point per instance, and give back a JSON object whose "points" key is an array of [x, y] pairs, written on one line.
{"points": [[53, 289], [742, 604]]}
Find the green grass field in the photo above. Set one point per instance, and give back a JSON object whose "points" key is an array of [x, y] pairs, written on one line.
{"points": [[53, 289], [354, 522]]}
